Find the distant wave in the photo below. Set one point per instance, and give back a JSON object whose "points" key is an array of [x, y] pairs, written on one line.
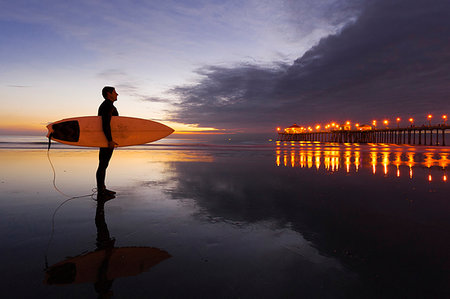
{"points": [[37, 142], [40, 142]]}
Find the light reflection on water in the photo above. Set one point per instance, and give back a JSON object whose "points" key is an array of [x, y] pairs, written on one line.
{"points": [[388, 160]]}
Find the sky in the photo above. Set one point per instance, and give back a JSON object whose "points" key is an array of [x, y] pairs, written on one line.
{"points": [[224, 66]]}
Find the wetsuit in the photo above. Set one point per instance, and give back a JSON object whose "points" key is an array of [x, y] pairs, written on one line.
{"points": [[106, 111]]}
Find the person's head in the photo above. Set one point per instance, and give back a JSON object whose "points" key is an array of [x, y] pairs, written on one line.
{"points": [[109, 93]]}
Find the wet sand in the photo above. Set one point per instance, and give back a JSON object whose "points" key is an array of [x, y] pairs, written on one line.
{"points": [[286, 221]]}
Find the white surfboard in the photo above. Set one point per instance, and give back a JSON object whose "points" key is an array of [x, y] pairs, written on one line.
{"points": [[87, 131]]}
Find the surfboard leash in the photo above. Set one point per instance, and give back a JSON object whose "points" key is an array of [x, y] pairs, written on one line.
{"points": [[49, 140], [69, 198], [53, 224], [54, 175], [53, 168]]}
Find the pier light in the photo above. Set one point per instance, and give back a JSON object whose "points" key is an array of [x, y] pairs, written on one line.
{"points": [[398, 122], [333, 124], [278, 129], [429, 117], [318, 127], [444, 117], [385, 122], [347, 126], [411, 120], [374, 123]]}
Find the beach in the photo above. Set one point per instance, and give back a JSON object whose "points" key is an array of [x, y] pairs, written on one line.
{"points": [[265, 149], [268, 220]]}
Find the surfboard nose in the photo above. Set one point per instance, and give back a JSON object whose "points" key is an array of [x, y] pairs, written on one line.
{"points": [[169, 129], [163, 129]]}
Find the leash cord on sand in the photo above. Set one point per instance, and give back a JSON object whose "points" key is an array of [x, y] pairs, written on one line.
{"points": [[53, 223], [57, 189], [94, 191]]}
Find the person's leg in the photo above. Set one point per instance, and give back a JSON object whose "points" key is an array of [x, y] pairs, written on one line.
{"points": [[104, 157]]}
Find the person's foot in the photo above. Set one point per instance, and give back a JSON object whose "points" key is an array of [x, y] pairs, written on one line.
{"points": [[104, 197], [105, 191], [110, 191]]}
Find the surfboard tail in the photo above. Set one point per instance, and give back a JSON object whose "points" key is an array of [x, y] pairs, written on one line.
{"points": [[50, 130], [68, 131]]}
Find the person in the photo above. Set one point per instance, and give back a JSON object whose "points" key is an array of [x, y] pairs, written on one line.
{"points": [[106, 111]]}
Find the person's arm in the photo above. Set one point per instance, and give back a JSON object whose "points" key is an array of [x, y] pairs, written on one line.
{"points": [[106, 125]]}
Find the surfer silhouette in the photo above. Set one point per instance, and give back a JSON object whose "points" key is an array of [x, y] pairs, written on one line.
{"points": [[106, 111]]}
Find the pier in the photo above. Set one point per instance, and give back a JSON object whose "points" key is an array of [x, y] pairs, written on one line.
{"points": [[413, 135]]}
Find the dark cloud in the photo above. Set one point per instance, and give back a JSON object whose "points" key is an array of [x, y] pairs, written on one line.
{"points": [[230, 97], [393, 60]]}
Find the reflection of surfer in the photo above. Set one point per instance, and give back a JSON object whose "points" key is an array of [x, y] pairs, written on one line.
{"points": [[104, 242], [106, 263], [106, 111]]}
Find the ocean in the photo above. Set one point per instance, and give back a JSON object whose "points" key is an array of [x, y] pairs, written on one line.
{"points": [[228, 219]]}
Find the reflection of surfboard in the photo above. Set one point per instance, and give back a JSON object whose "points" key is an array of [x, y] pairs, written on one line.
{"points": [[117, 262], [87, 131]]}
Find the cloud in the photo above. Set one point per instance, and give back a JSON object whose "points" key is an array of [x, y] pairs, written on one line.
{"points": [[197, 31], [126, 84], [393, 60], [19, 86], [225, 94], [112, 74], [154, 99]]}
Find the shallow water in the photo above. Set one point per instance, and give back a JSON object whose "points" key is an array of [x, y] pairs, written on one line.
{"points": [[284, 220]]}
